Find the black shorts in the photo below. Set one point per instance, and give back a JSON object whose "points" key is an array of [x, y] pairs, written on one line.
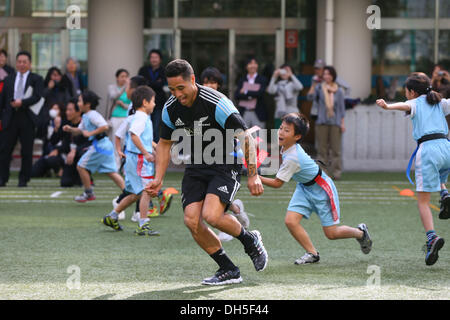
{"points": [[223, 181]]}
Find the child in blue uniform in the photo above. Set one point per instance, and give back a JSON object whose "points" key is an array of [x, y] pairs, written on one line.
{"points": [[139, 167], [100, 155], [315, 191], [432, 156], [121, 134]]}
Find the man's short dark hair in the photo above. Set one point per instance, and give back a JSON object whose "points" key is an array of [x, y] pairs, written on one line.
{"points": [[157, 51], [4, 52], [179, 67], [249, 59], [74, 101], [23, 53], [211, 74], [140, 94], [137, 81]]}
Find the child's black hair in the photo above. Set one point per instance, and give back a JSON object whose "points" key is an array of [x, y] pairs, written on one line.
{"points": [[421, 84], [140, 94], [300, 123], [211, 74], [91, 97], [137, 81]]}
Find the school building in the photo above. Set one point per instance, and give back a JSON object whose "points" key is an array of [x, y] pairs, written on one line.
{"points": [[105, 35]]}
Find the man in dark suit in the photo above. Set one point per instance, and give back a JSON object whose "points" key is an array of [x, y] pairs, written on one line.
{"points": [[156, 79], [21, 91], [249, 96]]}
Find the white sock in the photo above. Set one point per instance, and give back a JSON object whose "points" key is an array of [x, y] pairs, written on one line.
{"points": [[142, 221], [114, 215]]}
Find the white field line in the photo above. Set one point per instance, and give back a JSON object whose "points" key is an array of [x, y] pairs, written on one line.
{"points": [[56, 194]]}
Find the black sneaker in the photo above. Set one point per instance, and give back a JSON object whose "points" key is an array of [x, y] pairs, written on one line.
{"points": [[224, 277], [257, 252], [366, 241], [432, 248], [445, 207], [112, 223]]}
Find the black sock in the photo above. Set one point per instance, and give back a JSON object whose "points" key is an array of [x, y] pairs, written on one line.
{"points": [[245, 237], [122, 195], [137, 205], [221, 258]]}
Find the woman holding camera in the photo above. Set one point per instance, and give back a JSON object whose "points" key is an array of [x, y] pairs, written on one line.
{"points": [[285, 85]]}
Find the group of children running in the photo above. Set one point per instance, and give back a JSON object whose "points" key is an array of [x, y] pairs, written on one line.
{"points": [[315, 191]]}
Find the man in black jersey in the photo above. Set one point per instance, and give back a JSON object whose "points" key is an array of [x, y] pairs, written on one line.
{"points": [[208, 188]]}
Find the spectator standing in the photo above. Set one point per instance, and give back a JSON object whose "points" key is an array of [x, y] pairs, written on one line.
{"points": [[285, 85], [156, 79], [5, 69], [19, 101], [440, 80], [250, 96], [117, 105], [57, 90], [74, 75], [329, 98]]}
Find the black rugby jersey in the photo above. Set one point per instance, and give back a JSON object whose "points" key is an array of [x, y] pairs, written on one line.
{"points": [[211, 114]]}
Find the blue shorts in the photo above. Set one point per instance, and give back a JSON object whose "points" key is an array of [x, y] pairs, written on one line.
{"points": [[432, 165], [99, 157], [138, 172], [307, 199]]}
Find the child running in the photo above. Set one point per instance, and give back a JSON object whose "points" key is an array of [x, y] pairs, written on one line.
{"points": [[100, 155], [164, 197], [315, 191], [139, 167], [432, 156]]}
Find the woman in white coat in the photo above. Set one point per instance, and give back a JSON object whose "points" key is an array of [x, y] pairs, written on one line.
{"points": [[285, 85]]}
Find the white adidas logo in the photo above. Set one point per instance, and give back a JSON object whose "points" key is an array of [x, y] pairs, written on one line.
{"points": [[223, 189], [179, 122]]}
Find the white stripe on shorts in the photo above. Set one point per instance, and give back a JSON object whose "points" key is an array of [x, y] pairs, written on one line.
{"points": [[418, 170]]}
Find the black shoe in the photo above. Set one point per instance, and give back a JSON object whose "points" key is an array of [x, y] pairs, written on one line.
{"points": [[22, 184], [224, 277], [432, 249], [257, 252], [2, 184], [445, 207]]}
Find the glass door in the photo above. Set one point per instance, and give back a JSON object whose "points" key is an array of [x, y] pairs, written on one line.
{"points": [[206, 48]]}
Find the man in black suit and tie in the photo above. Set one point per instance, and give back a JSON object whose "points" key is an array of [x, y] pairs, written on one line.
{"points": [[22, 90]]}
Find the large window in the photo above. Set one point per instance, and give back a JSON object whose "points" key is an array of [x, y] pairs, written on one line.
{"points": [[399, 50], [41, 8]]}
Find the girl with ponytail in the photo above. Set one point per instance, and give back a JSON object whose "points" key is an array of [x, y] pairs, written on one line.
{"points": [[427, 110]]}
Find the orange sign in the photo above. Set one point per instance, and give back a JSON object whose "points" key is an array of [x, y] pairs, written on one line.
{"points": [[291, 39]]}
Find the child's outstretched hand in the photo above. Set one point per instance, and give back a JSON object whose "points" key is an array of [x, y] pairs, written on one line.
{"points": [[382, 103]]}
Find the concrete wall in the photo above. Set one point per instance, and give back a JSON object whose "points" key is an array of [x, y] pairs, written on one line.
{"points": [[115, 40], [376, 140], [352, 43]]}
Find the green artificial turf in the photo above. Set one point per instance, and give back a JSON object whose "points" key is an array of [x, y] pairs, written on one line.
{"points": [[44, 239]]}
